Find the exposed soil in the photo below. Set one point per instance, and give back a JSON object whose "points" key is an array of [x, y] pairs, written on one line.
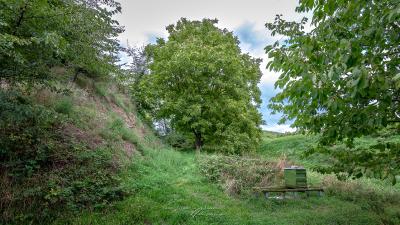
{"points": [[130, 149], [129, 119], [91, 140]]}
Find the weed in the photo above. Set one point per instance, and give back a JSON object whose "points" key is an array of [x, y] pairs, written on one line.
{"points": [[64, 105], [117, 130], [119, 101], [100, 89], [83, 82]]}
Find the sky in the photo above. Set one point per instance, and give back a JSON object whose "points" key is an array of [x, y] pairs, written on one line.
{"points": [[144, 21]]}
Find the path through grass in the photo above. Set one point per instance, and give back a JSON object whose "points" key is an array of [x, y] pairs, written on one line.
{"points": [[167, 188]]}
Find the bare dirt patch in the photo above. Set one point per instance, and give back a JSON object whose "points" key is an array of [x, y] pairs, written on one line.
{"points": [[130, 149], [91, 140], [129, 119]]}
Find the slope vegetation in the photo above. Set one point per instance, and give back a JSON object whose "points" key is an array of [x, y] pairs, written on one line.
{"points": [[63, 151]]}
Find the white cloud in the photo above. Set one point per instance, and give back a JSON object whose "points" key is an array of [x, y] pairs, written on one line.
{"points": [[141, 18], [281, 128], [145, 20], [269, 77]]}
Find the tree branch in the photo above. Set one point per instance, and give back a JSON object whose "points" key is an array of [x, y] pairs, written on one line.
{"points": [[21, 16]]}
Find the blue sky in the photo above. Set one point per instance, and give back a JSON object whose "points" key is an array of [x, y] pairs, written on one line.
{"points": [[144, 21], [254, 42]]}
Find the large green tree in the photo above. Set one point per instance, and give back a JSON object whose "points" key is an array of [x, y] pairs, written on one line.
{"points": [[205, 86], [36, 35], [341, 78]]}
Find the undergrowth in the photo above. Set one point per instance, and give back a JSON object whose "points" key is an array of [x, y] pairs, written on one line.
{"points": [[51, 164]]}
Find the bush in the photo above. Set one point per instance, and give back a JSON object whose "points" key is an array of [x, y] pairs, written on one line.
{"points": [[64, 106], [239, 174], [26, 140], [89, 182]]}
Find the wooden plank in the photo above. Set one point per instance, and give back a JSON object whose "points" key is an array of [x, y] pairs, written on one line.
{"points": [[263, 189], [293, 190]]}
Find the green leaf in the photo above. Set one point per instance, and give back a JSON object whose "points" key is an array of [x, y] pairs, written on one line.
{"points": [[338, 78]]}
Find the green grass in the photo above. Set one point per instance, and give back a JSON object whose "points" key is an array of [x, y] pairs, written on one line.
{"points": [[292, 147], [168, 188], [64, 105], [116, 130], [119, 100], [100, 89], [165, 186]]}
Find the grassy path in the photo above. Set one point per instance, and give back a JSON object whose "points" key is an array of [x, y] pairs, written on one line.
{"points": [[167, 188]]}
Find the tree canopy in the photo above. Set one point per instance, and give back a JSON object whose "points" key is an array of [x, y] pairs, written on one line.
{"points": [[37, 35], [341, 79], [205, 87]]}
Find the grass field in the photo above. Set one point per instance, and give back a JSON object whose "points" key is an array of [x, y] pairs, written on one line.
{"points": [[167, 187]]}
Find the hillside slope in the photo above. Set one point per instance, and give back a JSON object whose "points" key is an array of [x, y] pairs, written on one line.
{"points": [[64, 151]]}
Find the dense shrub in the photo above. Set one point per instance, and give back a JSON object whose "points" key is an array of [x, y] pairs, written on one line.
{"points": [[25, 138]]}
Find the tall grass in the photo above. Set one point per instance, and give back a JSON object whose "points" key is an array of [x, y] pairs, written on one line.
{"points": [[100, 89], [64, 105]]}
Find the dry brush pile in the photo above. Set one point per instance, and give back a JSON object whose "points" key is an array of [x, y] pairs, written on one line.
{"points": [[238, 175]]}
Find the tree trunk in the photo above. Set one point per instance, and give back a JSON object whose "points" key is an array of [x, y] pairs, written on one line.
{"points": [[75, 75], [198, 141], [20, 17]]}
